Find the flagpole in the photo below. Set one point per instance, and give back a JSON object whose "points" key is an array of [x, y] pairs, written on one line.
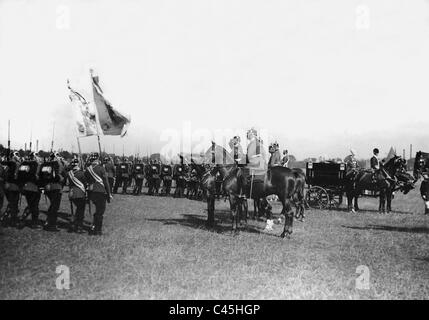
{"points": [[52, 141], [80, 151]]}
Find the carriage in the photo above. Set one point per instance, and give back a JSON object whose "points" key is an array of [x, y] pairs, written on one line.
{"points": [[326, 184], [325, 181]]}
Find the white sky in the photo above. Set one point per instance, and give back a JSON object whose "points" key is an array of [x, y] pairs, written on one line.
{"points": [[303, 70]]}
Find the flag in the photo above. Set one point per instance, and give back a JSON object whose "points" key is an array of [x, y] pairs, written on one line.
{"points": [[112, 122], [85, 118]]}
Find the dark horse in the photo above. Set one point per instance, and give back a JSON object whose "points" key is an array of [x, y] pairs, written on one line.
{"points": [[286, 183], [379, 181]]}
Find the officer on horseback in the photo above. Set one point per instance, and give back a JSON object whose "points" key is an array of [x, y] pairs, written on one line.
{"points": [[237, 150], [377, 166], [275, 157], [255, 157], [352, 165]]}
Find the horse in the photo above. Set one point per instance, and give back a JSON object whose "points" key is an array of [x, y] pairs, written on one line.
{"points": [[286, 183], [379, 181]]}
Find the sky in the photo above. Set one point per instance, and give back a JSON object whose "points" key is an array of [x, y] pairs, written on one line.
{"points": [[319, 77]]}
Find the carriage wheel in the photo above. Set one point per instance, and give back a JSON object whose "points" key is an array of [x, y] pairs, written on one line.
{"points": [[317, 198]]}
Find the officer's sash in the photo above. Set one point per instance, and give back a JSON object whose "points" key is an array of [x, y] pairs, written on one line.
{"points": [[76, 182], [95, 176]]}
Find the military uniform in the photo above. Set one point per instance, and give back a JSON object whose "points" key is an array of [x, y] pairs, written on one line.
{"points": [[51, 177], [2, 180], [138, 175], [123, 177], [77, 181], [166, 176], [351, 166], [11, 189], [375, 163], [154, 178], [275, 158], [98, 192], [179, 176], [111, 173], [28, 173]]}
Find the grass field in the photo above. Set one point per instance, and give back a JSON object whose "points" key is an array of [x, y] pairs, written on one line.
{"points": [[159, 248]]}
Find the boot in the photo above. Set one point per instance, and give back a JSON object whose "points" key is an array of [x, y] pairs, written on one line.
{"points": [[50, 226]]}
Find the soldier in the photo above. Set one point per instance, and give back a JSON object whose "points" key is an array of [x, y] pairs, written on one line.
{"points": [[255, 158], [138, 175], [77, 183], [28, 175], [375, 162], [352, 164], [51, 177], [11, 188], [179, 177], [166, 176], [285, 159], [237, 150], [275, 158], [98, 192], [125, 175], [154, 178], [111, 172], [2, 179]]}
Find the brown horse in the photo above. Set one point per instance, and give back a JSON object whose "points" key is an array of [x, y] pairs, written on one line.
{"points": [[286, 183], [391, 177]]}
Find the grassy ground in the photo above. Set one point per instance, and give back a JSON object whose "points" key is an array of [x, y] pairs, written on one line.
{"points": [[158, 248]]}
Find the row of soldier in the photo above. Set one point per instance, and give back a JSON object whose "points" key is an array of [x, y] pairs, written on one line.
{"points": [[157, 176], [32, 176], [93, 182]]}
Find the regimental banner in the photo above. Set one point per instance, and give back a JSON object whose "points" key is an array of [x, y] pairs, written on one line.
{"points": [[85, 117], [112, 122]]}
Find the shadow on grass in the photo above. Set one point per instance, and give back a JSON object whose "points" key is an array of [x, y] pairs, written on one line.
{"points": [[345, 210], [391, 228], [223, 223]]}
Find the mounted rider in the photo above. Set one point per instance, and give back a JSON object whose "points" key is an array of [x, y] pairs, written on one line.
{"points": [[275, 157], [255, 157], [237, 150], [352, 165], [377, 167], [285, 159]]}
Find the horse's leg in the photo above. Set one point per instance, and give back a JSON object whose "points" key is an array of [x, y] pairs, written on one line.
{"points": [[356, 206], [350, 197], [210, 210], [381, 208], [287, 231], [233, 206], [389, 201]]}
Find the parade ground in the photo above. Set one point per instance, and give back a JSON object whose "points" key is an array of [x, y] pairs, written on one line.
{"points": [[159, 248]]}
